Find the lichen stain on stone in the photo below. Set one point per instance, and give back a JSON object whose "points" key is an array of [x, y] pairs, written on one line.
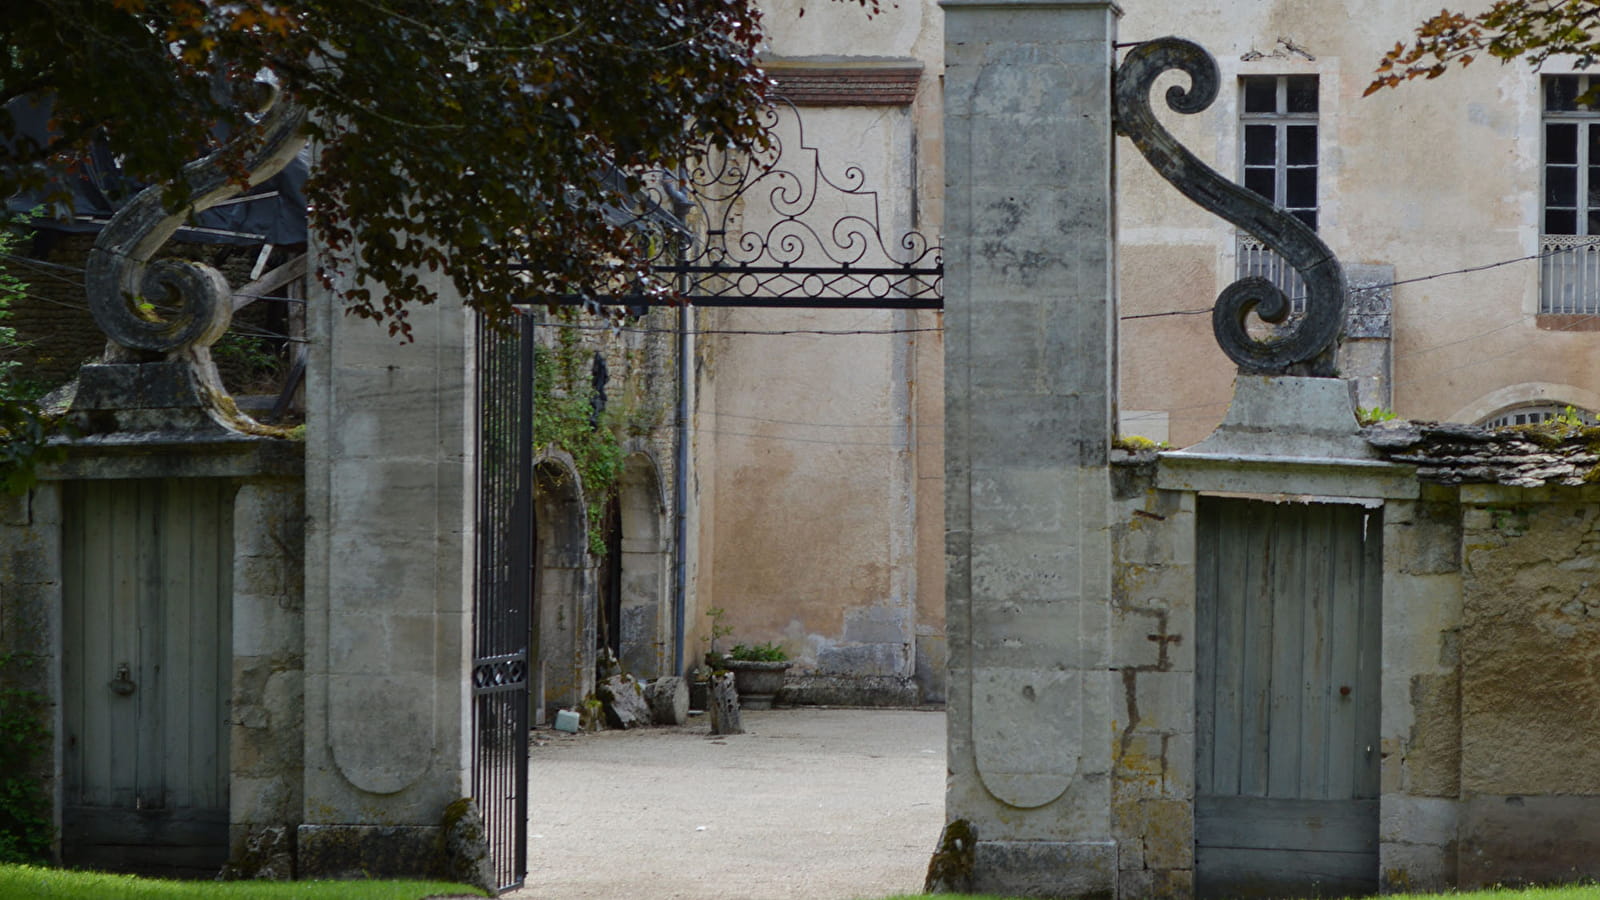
{"points": [[1168, 834], [1530, 656], [1433, 752], [1006, 215]]}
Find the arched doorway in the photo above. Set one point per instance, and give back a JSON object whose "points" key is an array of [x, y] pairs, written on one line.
{"points": [[563, 602], [645, 620], [631, 578]]}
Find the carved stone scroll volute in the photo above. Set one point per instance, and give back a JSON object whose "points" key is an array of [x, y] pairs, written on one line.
{"points": [[1303, 347], [158, 374]]}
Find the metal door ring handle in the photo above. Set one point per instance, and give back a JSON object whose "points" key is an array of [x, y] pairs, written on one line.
{"points": [[122, 685]]}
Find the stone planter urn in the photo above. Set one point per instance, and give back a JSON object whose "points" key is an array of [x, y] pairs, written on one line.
{"points": [[757, 680]]}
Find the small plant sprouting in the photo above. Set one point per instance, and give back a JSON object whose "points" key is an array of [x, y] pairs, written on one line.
{"points": [[1372, 415], [1136, 443], [771, 651], [718, 630]]}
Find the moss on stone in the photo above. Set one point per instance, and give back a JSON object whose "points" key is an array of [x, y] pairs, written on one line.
{"points": [[951, 868]]}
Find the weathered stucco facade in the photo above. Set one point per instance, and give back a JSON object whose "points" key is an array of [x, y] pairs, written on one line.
{"points": [[817, 466], [1433, 177]]}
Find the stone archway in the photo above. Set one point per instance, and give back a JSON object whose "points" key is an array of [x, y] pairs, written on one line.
{"points": [[563, 596], [645, 620]]}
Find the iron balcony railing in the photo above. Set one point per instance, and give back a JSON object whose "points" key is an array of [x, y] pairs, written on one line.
{"points": [[1569, 274], [1257, 260]]}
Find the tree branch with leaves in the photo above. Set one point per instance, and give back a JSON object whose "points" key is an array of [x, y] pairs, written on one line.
{"points": [[1534, 30], [453, 135]]}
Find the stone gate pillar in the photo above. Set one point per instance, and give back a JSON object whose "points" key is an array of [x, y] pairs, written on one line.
{"points": [[1030, 338], [388, 590]]}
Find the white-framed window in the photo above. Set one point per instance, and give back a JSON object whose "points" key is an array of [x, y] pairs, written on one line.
{"points": [[1569, 245], [1534, 413], [1278, 159]]}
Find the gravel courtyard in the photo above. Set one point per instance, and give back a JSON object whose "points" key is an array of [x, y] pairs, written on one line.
{"points": [[821, 804]]}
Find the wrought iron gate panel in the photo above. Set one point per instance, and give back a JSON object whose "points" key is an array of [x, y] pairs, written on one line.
{"points": [[504, 593], [779, 227]]}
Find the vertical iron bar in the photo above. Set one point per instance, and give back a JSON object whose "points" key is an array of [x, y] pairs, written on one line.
{"points": [[500, 671], [523, 596]]}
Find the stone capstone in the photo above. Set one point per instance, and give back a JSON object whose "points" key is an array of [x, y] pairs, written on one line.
{"points": [[1528, 456]]}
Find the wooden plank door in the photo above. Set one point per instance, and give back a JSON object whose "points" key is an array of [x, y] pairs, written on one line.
{"points": [[1287, 680], [146, 666]]}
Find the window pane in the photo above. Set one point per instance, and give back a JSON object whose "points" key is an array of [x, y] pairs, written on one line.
{"points": [[1301, 187], [1560, 221], [1302, 94], [1594, 189], [1561, 92], [1260, 181], [1308, 216], [1561, 185], [1260, 95], [1302, 142], [1594, 144], [1594, 223], [1560, 142], [1260, 145]]}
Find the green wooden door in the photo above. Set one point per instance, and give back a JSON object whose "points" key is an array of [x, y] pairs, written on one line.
{"points": [[146, 668], [1287, 680]]}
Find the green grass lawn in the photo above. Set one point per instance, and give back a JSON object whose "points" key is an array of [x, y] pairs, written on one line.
{"points": [[33, 883]]}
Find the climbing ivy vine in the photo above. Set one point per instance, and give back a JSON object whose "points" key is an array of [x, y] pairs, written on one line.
{"points": [[565, 417], [26, 832], [24, 430]]}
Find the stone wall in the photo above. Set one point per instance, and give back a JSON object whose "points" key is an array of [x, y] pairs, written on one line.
{"points": [[389, 550], [1420, 728], [641, 358], [1530, 685], [1030, 336], [1490, 701], [30, 615], [267, 743], [1490, 694], [1152, 652]]}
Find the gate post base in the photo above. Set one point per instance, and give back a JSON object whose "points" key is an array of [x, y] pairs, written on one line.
{"points": [[372, 851], [1083, 869]]}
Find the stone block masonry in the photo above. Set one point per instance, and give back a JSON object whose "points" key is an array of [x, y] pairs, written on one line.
{"points": [[388, 589], [1030, 337], [1152, 651]]}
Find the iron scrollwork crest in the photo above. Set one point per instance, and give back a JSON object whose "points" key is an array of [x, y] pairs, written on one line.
{"points": [[1304, 346], [776, 227]]}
